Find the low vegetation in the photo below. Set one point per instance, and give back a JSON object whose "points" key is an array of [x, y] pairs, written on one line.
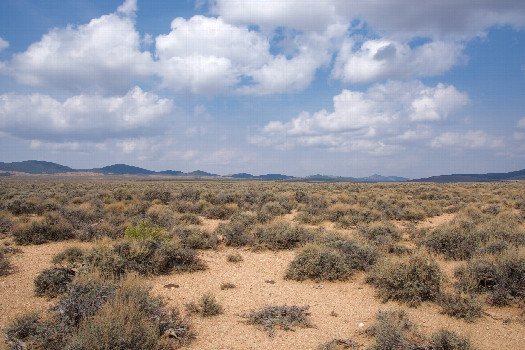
{"points": [[284, 317]]}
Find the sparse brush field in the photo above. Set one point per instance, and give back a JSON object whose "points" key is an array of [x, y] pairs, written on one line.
{"points": [[261, 265]]}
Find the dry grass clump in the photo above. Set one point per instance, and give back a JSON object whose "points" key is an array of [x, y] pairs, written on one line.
{"points": [[53, 281], [5, 265], [51, 228], [339, 344], [285, 317], [98, 314], [281, 235], [412, 279], [380, 232], [234, 258]]}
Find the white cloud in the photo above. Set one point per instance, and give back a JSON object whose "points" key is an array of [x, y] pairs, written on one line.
{"points": [[401, 18], [521, 123], [102, 56], [208, 56], [375, 121], [383, 59], [3, 44], [82, 117], [469, 140]]}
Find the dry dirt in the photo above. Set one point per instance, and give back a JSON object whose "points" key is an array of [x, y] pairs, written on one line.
{"points": [[336, 309]]}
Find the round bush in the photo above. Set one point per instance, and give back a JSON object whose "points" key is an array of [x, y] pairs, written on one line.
{"points": [[54, 281], [319, 264]]}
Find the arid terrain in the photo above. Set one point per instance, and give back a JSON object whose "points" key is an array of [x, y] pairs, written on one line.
{"points": [[248, 235]]}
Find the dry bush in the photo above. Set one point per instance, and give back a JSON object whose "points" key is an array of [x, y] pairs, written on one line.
{"points": [[411, 279], [339, 344], [195, 238], [318, 263], [281, 235], [5, 265], [378, 232], [235, 234], [161, 215], [53, 281], [449, 340], [207, 306], [51, 228], [234, 258], [502, 276], [285, 317], [393, 330], [221, 212], [455, 305], [71, 257]]}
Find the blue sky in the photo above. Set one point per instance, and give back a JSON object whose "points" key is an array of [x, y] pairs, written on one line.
{"points": [[400, 87]]}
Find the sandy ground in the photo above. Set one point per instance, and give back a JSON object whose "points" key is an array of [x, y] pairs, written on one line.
{"points": [[336, 309]]}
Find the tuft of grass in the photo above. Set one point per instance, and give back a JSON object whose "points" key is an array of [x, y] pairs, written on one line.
{"points": [[339, 344], [411, 280], [285, 317], [53, 281], [458, 306]]}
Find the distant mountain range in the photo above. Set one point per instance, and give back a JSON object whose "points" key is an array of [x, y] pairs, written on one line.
{"points": [[40, 167]]}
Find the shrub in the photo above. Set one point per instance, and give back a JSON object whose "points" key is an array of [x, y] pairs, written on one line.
{"points": [[207, 306], [380, 231], [100, 230], [453, 242], [53, 227], [449, 340], [393, 330], [234, 258], [195, 238], [53, 281], [412, 281], [460, 307], [144, 230], [319, 263], [281, 235], [25, 327], [502, 276], [227, 285], [221, 212], [284, 317], [235, 234], [71, 256], [339, 344], [357, 256], [143, 256], [5, 265], [190, 219]]}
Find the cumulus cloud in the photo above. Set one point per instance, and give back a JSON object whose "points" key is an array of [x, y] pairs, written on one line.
{"points": [[375, 121], [82, 117], [208, 56], [102, 56], [383, 59], [469, 140], [401, 18]]}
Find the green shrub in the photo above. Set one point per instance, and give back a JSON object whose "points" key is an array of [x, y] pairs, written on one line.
{"points": [[458, 306], [52, 228], [71, 256], [412, 281], [53, 281], [319, 263], [144, 230], [393, 330], [285, 317], [449, 340]]}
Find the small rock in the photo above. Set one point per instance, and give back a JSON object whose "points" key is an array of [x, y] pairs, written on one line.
{"points": [[269, 281], [361, 325], [171, 286]]}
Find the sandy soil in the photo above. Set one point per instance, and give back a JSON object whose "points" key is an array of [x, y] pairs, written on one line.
{"points": [[336, 309]]}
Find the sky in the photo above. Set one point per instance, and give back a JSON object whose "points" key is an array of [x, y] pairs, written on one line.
{"points": [[336, 87]]}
